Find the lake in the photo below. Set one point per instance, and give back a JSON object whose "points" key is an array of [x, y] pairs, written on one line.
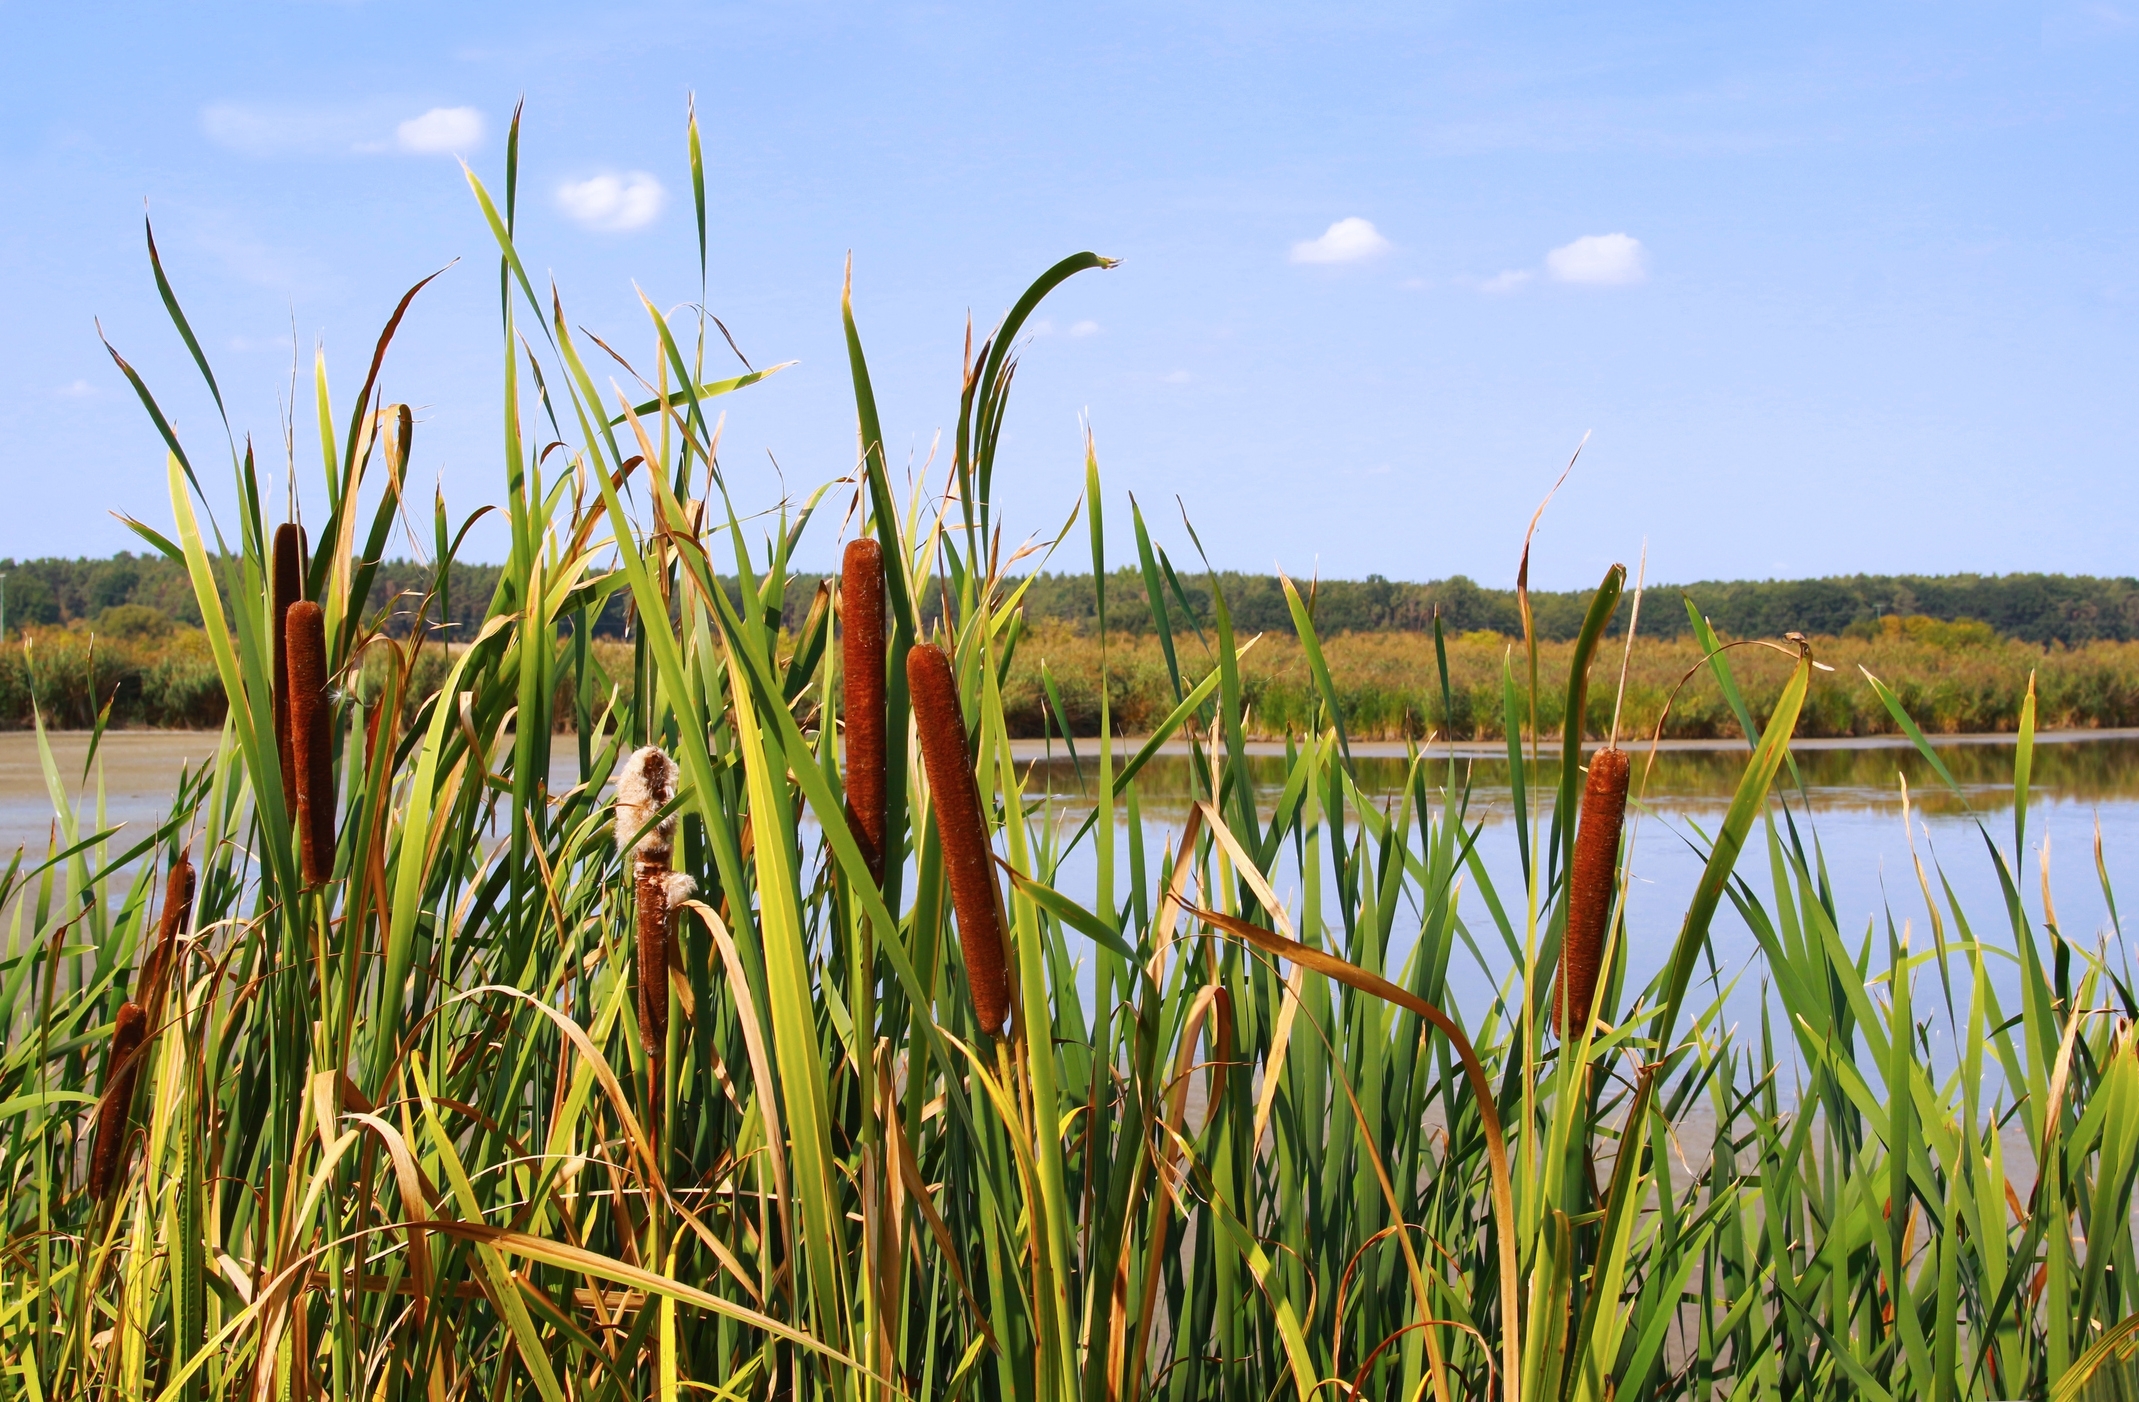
{"points": [[2083, 781]]}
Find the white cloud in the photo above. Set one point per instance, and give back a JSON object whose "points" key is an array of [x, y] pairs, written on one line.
{"points": [[77, 389], [1599, 259], [1085, 328], [441, 131], [1177, 377], [613, 203], [1508, 281], [1346, 241]]}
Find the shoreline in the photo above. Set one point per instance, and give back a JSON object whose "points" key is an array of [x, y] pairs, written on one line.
{"points": [[1128, 745]]}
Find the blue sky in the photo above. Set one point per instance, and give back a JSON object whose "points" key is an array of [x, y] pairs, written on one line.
{"points": [[1832, 287]]}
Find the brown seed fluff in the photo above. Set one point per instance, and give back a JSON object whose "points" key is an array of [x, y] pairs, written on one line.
{"points": [[126, 1038], [861, 605], [644, 786], [289, 587], [177, 910], [967, 858], [1589, 889], [312, 739]]}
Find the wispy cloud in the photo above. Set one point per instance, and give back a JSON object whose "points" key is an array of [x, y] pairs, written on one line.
{"points": [[1346, 241], [275, 129], [1597, 260], [78, 389], [1603, 260], [613, 203], [1085, 328], [270, 129], [2066, 23], [442, 131], [231, 238]]}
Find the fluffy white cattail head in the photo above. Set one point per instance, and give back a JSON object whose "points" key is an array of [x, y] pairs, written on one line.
{"points": [[677, 888], [644, 786]]}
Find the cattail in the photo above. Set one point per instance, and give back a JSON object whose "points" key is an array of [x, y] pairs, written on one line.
{"points": [[289, 587], [312, 739], [646, 785], [967, 858], [1589, 889], [126, 1039], [177, 910], [861, 599]]}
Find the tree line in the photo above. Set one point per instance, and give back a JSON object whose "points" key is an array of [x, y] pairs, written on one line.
{"points": [[2037, 608]]}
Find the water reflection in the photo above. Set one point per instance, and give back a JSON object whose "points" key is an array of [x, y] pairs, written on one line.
{"points": [[1836, 779]]}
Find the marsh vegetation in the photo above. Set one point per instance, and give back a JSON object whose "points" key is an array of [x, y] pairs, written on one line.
{"points": [[384, 1067]]}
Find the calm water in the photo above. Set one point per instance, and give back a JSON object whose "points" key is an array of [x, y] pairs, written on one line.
{"points": [[1856, 810], [1854, 800]]}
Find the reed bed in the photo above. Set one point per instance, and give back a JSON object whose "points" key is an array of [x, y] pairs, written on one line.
{"points": [[403, 1121], [1388, 685], [69, 676]]}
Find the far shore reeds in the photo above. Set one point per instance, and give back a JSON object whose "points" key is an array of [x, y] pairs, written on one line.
{"points": [[1388, 684]]}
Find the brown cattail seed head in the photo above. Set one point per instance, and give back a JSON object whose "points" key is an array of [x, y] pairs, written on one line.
{"points": [[312, 739], [126, 1038], [644, 786], [177, 910], [967, 858], [651, 879], [659, 892], [289, 587], [1589, 889], [861, 604]]}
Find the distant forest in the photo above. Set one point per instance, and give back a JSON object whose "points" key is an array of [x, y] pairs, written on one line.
{"points": [[2038, 608]]}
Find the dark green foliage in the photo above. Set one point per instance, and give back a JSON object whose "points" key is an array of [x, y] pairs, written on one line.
{"points": [[135, 622], [167, 682], [2037, 608]]}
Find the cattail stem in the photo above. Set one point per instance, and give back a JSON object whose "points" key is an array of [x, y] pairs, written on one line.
{"points": [[967, 858], [312, 739], [1589, 890], [861, 602], [289, 588], [112, 1113]]}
